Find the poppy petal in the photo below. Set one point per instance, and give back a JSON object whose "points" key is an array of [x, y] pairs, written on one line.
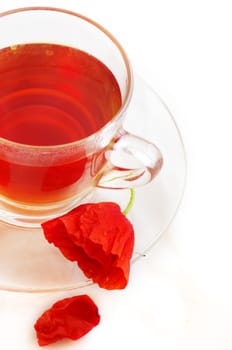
{"points": [[99, 237], [68, 318]]}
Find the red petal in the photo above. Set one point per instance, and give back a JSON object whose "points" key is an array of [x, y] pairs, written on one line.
{"points": [[99, 237], [68, 318]]}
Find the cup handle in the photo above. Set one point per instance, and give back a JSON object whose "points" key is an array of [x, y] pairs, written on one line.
{"points": [[132, 162]]}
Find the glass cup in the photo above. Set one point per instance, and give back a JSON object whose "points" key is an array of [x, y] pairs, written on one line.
{"points": [[38, 182]]}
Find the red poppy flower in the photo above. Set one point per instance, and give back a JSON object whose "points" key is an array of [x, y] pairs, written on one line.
{"points": [[99, 237], [68, 318]]}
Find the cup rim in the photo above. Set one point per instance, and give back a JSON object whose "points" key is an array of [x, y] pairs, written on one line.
{"points": [[128, 94]]}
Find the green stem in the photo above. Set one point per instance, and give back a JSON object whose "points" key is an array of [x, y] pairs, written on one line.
{"points": [[131, 202]]}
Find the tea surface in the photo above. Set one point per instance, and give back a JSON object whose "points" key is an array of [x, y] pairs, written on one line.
{"points": [[52, 94]]}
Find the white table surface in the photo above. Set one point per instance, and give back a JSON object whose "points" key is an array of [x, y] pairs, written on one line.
{"points": [[179, 295]]}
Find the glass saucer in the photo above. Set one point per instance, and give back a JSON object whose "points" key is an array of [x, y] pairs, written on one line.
{"points": [[28, 263]]}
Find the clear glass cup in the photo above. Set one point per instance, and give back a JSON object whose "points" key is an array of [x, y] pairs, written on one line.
{"points": [[109, 158]]}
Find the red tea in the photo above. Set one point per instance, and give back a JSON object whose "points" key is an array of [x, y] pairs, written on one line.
{"points": [[51, 95]]}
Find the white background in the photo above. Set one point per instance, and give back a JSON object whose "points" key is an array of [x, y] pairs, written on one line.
{"points": [[179, 295]]}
